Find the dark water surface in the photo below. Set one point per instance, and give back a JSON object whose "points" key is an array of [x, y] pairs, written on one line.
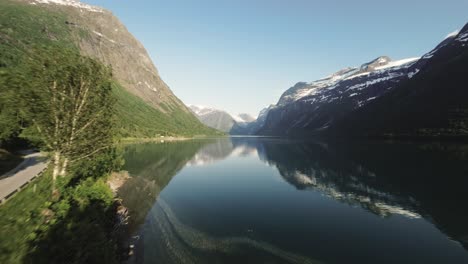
{"points": [[258, 200]]}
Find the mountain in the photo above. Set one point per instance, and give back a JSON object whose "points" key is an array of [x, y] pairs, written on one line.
{"points": [[241, 124], [381, 97], [252, 127], [214, 118], [146, 105], [432, 104], [310, 108], [244, 118]]}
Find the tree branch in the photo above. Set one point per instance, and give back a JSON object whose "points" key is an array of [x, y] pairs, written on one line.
{"points": [[90, 154]]}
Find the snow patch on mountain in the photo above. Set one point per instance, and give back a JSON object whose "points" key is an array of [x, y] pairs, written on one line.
{"points": [[238, 119], [399, 63], [201, 110], [412, 74], [361, 86], [463, 37], [73, 3], [380, 65], [452, 34], [243, 118]]}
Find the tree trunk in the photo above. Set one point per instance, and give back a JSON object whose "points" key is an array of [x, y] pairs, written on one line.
{"points": [[63, 170], [56, 170]]}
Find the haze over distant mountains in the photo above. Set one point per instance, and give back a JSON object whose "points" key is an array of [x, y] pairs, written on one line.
{"points": [[241, 124]]}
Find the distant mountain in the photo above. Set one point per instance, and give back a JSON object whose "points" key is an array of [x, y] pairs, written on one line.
{"points": [[214, 118], [251, 128], [381, 97], [241, 124], [244, 118]]}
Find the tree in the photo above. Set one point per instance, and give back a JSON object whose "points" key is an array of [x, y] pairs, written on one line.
{"points": [[9, 116], [69, 102]]}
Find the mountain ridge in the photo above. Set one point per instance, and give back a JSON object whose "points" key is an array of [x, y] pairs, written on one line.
{"points": [[310, 109], [240, 124]]}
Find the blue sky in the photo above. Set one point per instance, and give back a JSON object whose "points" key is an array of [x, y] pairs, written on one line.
{"points": [[240, 55]]}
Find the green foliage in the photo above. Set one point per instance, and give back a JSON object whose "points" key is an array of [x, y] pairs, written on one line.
{"points": [[81, 228], [76, 228], [23, 29], [91, 190], [67, 101], [36, 51], [67, 97], [9, 114], [22, 217], [100, 165]]}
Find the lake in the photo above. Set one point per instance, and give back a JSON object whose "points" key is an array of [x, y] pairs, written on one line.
{"points": [[269, 200]]}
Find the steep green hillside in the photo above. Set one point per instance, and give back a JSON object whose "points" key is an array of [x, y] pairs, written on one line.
{"points": [[25, 28], [137, 119]]}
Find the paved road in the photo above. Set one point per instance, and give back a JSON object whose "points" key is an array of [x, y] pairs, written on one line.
{"points": [[10, 182]]}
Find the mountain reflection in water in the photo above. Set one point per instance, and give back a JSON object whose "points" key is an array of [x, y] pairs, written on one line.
{"points": [[423, 182]]}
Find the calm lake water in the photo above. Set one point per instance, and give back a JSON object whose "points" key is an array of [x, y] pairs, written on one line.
{"points": [[259, 200]]}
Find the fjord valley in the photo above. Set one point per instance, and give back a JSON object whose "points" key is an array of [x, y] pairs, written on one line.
{"points": [[102, 162]]}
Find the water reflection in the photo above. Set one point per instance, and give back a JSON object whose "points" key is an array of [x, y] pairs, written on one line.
{"points": [[212, 151], [151, 167], [426, 181]]}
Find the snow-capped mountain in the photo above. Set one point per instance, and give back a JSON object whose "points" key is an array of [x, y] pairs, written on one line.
{"points": [[252, 127], [433, 103], [243, 118], [215, 118], [353, 79], [315, 105], [241, 124], [311, 108]]}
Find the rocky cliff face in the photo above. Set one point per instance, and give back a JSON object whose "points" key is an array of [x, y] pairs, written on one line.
{"points": [[99, 34]]}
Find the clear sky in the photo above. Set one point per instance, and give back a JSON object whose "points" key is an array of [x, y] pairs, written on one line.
{"points": [[240, 55]]}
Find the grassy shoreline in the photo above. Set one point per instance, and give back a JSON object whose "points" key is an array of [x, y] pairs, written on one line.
{"points": [[129, 140]]}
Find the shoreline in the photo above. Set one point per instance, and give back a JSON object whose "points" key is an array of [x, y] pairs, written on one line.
{"points": [[163, 139]]}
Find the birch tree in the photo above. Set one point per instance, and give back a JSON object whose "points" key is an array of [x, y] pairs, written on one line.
{"points": [[70, 104]]}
